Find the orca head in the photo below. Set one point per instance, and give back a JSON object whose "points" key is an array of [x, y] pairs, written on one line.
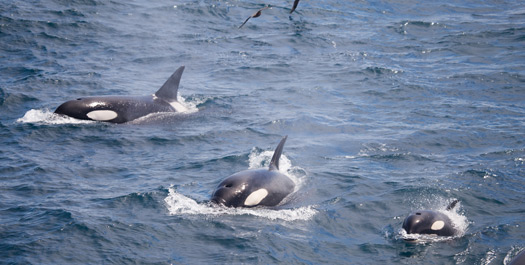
{"points": [[239, 190], [90, 108], [428, 222]]}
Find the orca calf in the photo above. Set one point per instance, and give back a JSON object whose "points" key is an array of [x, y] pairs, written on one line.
{"points": [[120, 109], [254, 187], [430, 222]]}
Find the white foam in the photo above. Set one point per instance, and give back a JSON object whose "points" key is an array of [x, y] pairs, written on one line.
{"points": [[489, 257], [179, 204], [183, 106], [179, 107], [459, 221], [46, 116], [421, 238], [514, 252]]}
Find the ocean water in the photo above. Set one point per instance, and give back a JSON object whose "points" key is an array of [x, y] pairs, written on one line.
{"points": [[389, 107]]}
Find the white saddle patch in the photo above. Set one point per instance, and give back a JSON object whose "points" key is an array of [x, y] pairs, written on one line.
{"points": [[256, 197], [178, 106], [102, 115], [437, 225]]}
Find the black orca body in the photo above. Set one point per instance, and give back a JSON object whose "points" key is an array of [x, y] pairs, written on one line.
{"points": [[120, 109], [250, 188], [430, 222]]}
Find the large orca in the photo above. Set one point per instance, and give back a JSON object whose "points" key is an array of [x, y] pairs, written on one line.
{"points": [[120, 109], [254, 187], [430, 222]]}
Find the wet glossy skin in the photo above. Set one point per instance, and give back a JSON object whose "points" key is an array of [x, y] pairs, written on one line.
{"points": [[429, 222], [126, 108], [234, 190]]}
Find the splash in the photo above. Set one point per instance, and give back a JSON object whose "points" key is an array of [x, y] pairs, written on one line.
{"points": [[185, 107], [46, 116], [179, 204], [512, 254]]}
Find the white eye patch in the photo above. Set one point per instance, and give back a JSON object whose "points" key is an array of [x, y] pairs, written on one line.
{"points": [[437, 225], [102, 115], [256, 197]]}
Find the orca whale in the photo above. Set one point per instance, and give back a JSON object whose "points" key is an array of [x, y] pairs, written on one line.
{"points": [[120, 109], [430, 222], [255, 187]]}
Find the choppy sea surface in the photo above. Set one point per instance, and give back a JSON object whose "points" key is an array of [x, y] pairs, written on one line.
{"points": [[389, 107]]}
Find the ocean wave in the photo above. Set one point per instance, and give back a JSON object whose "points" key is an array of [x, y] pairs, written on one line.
{"points": [[179, 204]]}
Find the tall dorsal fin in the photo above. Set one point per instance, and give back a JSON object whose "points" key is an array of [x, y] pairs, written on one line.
{"points": [[452, 205], [274, 164], [168, 91]]}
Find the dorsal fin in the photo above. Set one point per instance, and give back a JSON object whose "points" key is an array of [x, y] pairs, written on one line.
{"points": [[274, 164], [452, 205], [168, 91]]}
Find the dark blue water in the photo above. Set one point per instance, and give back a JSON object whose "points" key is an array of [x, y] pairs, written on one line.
{"points": [[390, 107]]}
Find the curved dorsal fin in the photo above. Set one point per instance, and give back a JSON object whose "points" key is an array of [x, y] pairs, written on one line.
{"points": [[274, 164], [168, 91], [452, 205]]}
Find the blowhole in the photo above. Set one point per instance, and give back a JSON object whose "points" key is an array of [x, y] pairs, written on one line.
{"points": [[418, 213]]}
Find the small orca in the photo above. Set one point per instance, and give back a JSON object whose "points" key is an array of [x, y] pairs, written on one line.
{"points": [[120, 109], [430, 222], [254, 187]]}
